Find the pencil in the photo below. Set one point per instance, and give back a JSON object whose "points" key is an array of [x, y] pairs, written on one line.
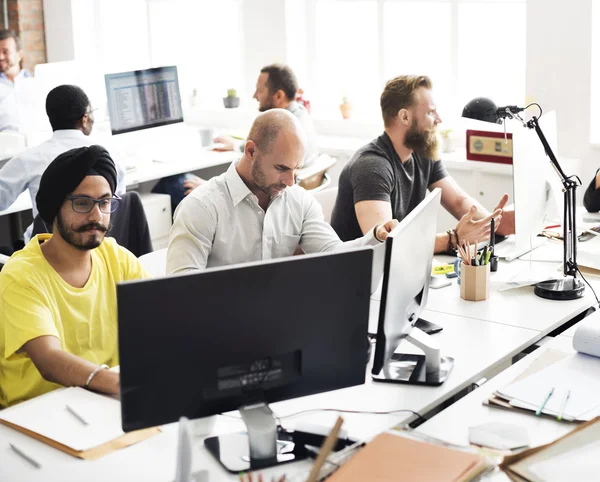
{"points": [[562, 407], [326, 448]]}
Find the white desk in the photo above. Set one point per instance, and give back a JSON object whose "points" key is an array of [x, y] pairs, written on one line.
{"points": [[154, 459], [152, 170], [518, 307], [451, 425]]}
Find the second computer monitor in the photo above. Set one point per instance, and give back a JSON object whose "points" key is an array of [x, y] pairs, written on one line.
{"points": [[406, 275], [141, 99]]}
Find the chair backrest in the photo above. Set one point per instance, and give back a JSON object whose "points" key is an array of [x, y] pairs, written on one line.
{"points": [[313, 177], [155, 263], [326, 198]]}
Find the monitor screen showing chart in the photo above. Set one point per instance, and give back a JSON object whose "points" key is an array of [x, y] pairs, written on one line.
{"points": [[143, 98]]}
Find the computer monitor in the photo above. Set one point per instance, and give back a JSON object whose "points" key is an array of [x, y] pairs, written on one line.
{"points": [[241, 337], [406, 274], [536, 188], [536, 192], [141, 99]]}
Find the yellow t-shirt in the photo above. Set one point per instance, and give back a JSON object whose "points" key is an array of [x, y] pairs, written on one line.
{"points": [[35, 301]]}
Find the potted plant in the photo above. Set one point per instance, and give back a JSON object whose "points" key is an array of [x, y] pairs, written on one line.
{"points": [[346, 108], [447, 141], [232, 100]]}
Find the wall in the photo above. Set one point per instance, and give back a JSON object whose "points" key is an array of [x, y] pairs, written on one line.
{"points": [[559, 36], [26, 17]]}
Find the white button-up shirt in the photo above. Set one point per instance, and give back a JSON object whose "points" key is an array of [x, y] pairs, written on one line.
{"points": [[24, 171], [10, 119], [221, 223]]}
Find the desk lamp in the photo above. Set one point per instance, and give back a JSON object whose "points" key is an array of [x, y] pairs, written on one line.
{"points": [[570, 287]]}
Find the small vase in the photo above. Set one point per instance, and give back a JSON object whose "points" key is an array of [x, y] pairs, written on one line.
{"points": [[231, 102], [346, 110]]}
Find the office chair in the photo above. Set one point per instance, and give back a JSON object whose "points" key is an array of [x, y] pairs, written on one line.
{"points": [[326, 198], [129, 225], [315, 176]]}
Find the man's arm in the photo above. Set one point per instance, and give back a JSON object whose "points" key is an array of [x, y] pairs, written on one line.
{"points": [[59, 366], [14, 179], [191, 237], [318, 236]]}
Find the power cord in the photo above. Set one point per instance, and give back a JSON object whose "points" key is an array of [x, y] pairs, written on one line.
{"points": [[360, 412], [590, 286]]}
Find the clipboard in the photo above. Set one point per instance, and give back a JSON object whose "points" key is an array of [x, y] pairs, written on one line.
{"points": [[94, 453]]}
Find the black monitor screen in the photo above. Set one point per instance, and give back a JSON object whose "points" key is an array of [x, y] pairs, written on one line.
{"points": [[143, 98], [206, 343]]}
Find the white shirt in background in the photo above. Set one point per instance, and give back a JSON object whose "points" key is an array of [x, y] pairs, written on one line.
{"points": [[220, 223], [9, 109], [24, 171]]}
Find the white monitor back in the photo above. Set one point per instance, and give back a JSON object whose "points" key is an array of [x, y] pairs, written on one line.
{"points": [[407, 270], [537, 189]]}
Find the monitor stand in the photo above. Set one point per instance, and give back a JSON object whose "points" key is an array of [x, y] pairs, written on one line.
{"points": [[263, 445], [428, 369]]}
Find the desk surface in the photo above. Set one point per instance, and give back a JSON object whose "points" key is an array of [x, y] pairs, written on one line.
{"points": [[518, 307], [452, 424], [154, 459]]}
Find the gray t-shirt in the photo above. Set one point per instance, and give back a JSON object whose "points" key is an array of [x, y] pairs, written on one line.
{"points": [[376, 173]]}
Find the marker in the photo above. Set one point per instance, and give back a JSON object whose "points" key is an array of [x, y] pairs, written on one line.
{"points": [[539, 410], [562, 407], [492, 235], [442, 269]]}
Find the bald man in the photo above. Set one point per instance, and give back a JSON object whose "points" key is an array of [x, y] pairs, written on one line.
{"points": [[58, 299], [254, 211]]}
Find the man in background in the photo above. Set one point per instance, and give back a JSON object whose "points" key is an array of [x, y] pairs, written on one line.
{"points": [[11, 73], [72, 120]]}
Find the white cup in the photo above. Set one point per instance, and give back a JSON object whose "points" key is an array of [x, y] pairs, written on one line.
{"points": [[206, 136]]}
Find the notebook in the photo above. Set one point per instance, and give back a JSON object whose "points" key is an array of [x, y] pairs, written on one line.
{"points": [[394, 458], [47, 418]]}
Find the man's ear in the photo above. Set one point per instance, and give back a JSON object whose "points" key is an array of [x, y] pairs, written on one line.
{"points": [[279, 98], [250, 149], [404, 116]]}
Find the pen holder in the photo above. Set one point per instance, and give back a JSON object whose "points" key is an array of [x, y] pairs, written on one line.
{"points": [[474, 282]]}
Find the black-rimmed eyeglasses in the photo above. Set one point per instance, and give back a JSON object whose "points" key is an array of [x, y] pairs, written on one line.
{"points": [[85, 205]]}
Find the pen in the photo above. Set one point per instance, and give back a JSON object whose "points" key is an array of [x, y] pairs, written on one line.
{"points": [[492, 235], [487, 257], [22, 454], [562, 407], [539, 410], [484, 255], [76, 415]]}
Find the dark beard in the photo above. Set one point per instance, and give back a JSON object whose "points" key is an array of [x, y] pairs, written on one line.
{"points": [[69, 235], [424, 143]]}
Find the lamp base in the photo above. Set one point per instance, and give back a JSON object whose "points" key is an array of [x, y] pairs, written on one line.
{"points": [[560, 289]]}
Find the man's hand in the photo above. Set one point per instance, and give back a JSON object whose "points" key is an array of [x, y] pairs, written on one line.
{"points": [[192, 183], [227, 141], [508, 218], [382, 231], [470, 230]]}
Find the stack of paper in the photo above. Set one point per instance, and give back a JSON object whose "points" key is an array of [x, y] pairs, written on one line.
{"points": [[574, 384], [571, 457], [48, 416], [78, 422]]}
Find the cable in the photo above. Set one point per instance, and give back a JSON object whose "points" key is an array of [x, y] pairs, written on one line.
{"points": [[587, 283], [360, 412], [538, 106]]}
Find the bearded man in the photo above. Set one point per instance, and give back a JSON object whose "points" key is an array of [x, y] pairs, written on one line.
{"points": [[391, 175]]}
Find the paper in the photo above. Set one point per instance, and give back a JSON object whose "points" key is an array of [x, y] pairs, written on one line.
{"points": [[579, 374], [502, 436], [47, 415], [578, 464]]}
